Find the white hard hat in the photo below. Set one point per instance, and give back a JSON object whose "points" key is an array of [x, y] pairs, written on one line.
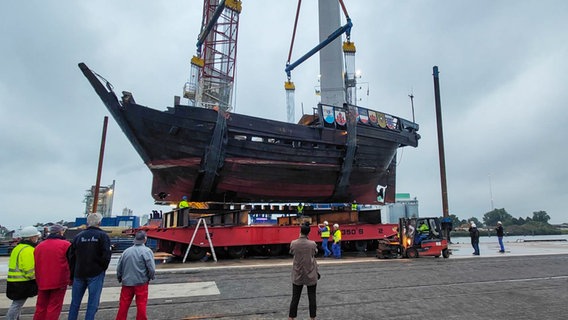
{"points": [[336, 225], [29, 232], [326, 223], [499, 222]]}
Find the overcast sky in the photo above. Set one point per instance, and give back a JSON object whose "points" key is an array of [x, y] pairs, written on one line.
{"points": [[503, 76]]}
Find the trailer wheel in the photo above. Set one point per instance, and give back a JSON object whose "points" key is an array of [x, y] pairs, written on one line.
{"points": [[270, 250], [361, 246], [196, 253], [411, 253], [275, 249], [236, 252], [446, 253]]}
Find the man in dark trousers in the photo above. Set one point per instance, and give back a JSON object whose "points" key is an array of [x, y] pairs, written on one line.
{"points": [[447, 227], [474, 234], [499, 230], [89, 256], [304, 272]]}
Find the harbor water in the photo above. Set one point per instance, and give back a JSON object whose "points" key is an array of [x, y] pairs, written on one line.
{"points": [[514, 245]]}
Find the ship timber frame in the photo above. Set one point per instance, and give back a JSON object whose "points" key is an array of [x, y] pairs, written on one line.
{"points": [[213, 158], [350, 148]]}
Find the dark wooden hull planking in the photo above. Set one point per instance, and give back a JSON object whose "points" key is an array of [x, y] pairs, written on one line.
{"points": [[212, 155]]}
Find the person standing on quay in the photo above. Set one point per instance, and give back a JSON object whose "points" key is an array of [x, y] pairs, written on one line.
{"points": [[325, 233], [474, 234], [499, 231], [447, 228], [20, 282], [52, 273], [135, 269], [89, 256], [336, 246], [304, 272]]}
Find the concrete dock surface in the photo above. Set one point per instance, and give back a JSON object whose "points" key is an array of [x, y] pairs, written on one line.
{"points": [[529, 281]]}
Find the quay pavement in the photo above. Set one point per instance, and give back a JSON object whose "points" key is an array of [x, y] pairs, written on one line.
{"points": [[530, 281]]}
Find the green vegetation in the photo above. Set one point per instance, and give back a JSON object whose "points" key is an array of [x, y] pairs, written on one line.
{"points": [[535, 225]]}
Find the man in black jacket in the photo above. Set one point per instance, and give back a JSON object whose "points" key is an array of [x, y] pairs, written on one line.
{"points": [[89, 256], [474, 234], [499, 231]]}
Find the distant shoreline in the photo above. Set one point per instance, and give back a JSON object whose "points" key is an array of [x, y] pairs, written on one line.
{"points": [[485, 233]]}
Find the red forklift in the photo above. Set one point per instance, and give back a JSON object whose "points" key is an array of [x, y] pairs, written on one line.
{"points": [[420, 237]]}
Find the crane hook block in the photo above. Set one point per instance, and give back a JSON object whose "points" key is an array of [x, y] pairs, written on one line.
{"points": [[349, 46], [197, 61], [234, 5], [289, 85]]}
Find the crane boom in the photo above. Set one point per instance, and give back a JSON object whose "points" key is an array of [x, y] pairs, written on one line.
{"points": [[343, 29], [209, 26]]}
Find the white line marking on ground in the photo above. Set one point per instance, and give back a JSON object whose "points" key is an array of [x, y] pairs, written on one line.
{"points": [[155, 291]]}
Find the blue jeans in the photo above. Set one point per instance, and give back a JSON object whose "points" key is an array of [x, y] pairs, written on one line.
{"points": [[336, 247], [475, 246], [325, 246], [80, 285], [501, 244]]}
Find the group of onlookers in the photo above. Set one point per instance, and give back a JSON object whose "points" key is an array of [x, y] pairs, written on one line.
{"points": [[48, 267]]}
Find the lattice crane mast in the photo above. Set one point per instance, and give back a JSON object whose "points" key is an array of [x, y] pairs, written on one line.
{"points": [[212, 71]]}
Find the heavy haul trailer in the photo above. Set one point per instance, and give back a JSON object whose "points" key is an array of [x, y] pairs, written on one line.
{"points": [[233, 237]]}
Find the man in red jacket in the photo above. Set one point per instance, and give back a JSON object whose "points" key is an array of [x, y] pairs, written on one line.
{"points": [[52, 273]]}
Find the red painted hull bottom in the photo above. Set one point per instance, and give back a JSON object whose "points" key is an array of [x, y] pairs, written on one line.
{"points": [[179, 176]]}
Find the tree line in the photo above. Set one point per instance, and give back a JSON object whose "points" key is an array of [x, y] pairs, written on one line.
{"points": [[535, 225]]}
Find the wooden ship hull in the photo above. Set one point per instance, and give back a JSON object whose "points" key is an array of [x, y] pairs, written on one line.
{"points": [[215, 156]]}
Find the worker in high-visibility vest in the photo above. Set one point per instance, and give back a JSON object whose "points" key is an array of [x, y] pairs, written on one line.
{"points": [[20, 282], [336, 247], [423, 228], [183, 203], [325, 233], [423, 232], [300, 209]]}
